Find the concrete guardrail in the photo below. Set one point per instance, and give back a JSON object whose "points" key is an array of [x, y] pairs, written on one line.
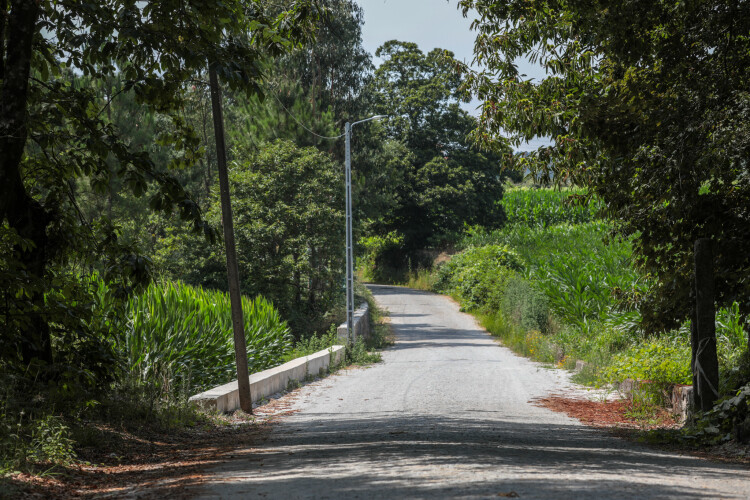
{"points": [[226, 398], [361, 324]]}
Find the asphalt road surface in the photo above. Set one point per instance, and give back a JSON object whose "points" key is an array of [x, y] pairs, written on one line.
{"points": [[447, 415]]}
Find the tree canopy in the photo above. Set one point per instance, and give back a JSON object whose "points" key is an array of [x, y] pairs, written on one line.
{"points": [[449, 182], [55, 130], [647, 102]]}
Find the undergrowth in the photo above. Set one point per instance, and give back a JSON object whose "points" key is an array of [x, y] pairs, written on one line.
{"points": [[46, 429]]}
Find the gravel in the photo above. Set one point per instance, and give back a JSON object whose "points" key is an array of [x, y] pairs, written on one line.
{"points": [[447, 414]]}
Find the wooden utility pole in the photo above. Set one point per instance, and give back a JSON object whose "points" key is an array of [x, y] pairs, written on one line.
{"points": [[233, 275], [703, 331]]}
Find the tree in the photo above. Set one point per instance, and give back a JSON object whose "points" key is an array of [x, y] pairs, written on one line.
{"points": [[53, 131], [449, 182], [335, 70], [648, 103], [289, 224], [292, 114]]}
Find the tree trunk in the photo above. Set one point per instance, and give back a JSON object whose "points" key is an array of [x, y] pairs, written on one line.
{"points": [[697, 403], [24, 214], [314, 280], [705, 361], [297, 279], [3, 22], [233, 275]]}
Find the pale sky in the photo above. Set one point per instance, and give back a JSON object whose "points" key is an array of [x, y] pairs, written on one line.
{"points": [[429, 24]]}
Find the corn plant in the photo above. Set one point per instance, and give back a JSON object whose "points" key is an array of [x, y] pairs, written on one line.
{"points": [[181, 337], [546, 207]]}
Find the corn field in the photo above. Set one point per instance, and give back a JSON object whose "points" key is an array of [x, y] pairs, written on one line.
{"points": [[181, 337], [545, 207]]}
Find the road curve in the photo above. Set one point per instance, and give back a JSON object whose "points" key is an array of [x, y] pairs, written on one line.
{"points": [[447, 414]]}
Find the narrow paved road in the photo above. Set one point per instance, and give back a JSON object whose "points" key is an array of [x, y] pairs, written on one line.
{"points": [[447, 415]]}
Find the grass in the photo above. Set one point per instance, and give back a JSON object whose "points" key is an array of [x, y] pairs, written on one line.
{"points": [[421, 279]]}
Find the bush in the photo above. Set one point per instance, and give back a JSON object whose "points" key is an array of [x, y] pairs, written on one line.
{"points": [[383, 258], [478, 275], [663, 361], [729, 418]]}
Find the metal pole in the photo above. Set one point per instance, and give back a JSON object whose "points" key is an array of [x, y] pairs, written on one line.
{"points": [[349, 243], [233, 275]]}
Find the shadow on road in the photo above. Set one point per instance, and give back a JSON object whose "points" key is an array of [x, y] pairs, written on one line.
{"points": [[391, 453]]}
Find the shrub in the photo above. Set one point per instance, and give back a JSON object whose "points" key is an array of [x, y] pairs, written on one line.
{"points": [[382, 257], [478, 275], [664, 361], [730, 417]]}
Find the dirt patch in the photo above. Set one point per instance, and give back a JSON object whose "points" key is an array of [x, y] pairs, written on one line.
{"points": [[150, 464], [607, 414], [660, 431], [442, 258]]}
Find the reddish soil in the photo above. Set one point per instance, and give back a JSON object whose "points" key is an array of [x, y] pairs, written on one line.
{"points": [[614, 417], [607, 414]]}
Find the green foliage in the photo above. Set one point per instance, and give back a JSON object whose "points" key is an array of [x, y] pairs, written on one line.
{"points": [[531, 343], [25, 442], [526, 305], [180, 337], [289, 222], [335, 69], [421, 279], [573, 266], [478, 275], [50, 441], [313, 344], [731, 335], [547, 207], [254, 121], [447, 182], [664, 361], [729, 418], [381, 335], [379, 252], [648, 104], [58, 133], [359, 354]]}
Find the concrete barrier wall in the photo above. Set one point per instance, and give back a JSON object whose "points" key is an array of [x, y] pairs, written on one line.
{"points": [[361, 325], [225, 398]]}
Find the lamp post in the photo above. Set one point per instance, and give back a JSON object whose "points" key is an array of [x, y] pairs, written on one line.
{"points": [[349, 238]]}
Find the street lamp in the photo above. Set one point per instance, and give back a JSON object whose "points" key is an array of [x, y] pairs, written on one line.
{"points": [[349, 239]]}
